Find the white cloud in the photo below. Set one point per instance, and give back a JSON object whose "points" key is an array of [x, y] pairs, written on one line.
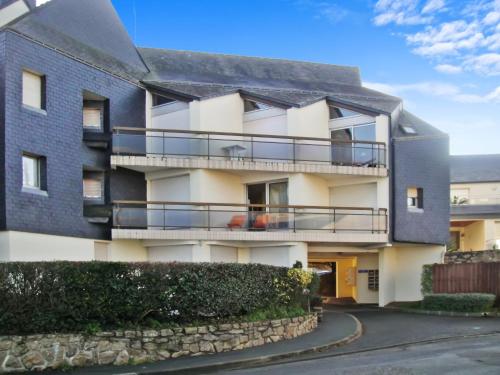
{"points": [[485, 64], [438, 89], [447, 38], [448, 68], [433, 6], [400, 12], [492, 18], [467, 39]]}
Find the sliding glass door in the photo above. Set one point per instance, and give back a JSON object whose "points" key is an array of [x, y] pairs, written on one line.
{"points": [[270, 193]]}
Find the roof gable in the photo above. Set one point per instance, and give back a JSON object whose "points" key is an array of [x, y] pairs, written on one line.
{"points": [[86, 29]]}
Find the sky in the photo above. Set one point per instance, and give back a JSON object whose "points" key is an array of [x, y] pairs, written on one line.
{"points": [[441, 56]]}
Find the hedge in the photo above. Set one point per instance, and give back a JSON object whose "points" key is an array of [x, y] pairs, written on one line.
{"points": [[461, 302], [426, 282], [46, 297]]}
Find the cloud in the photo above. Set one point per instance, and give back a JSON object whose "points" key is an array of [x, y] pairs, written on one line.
{"points": [[327, 9], [399, 12], [448, 69], [492, 18], [486, 64], [438, 89], [433, 6], [456, 41], [447, 38], [332, 12]]}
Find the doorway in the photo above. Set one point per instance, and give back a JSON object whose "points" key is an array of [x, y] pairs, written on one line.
{"points": [[327, 273]]}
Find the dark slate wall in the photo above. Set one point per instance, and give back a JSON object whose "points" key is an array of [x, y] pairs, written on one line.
{"points": [[2, 131], [57, 135], [127, 185], [421, 163]]}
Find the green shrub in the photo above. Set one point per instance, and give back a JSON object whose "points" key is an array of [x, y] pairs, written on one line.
{"points": [[462, 302], [44, 297], [426, 281]]}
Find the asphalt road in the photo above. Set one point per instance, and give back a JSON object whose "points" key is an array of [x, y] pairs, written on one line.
{"points": [[401, 343], [477, 355]]}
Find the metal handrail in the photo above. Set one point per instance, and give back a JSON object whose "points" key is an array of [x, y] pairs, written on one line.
{"points": [[118, 129], [136, 214], [249, 205]]}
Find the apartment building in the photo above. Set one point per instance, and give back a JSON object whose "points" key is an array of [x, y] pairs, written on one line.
{"points": [[475, 202], [112, 152]]}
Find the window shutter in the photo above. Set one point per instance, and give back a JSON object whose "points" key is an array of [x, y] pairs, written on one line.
{"points": [[32, 90], [92, 188], [92, 118]]}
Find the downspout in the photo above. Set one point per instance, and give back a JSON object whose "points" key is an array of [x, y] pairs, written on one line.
{"points": [[392, 216]]}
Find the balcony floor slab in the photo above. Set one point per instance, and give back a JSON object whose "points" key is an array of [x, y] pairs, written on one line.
{"points": [[151, 163], [215, 235]]}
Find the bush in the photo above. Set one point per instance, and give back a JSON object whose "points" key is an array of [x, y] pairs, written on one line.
{"points": [[47, 297], [463, 302], [427, 281]]}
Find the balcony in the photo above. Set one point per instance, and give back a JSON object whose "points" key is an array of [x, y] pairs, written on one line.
{"points": [[480, 207], [150, 148], [243, 222]]}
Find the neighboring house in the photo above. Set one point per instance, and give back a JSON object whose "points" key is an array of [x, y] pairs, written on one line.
{"points": [[115, 153], [475, 202]]}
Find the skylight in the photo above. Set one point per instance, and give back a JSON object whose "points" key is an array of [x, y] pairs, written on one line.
{"points": [[408, 130]]}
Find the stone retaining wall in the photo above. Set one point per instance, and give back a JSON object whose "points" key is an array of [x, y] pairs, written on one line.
{"points": [[457, 257], [39, 352]]}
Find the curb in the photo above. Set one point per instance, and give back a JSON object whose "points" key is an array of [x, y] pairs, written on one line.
{"points": [[446, 313], [261, 359]]}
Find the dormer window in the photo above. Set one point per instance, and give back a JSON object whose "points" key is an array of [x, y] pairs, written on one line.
{"points": [[336, 112], [160, 100], [251, 106]]}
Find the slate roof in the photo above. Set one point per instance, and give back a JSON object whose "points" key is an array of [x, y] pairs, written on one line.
{"points": [[422, 128], [89, 30], [291, 83], [172, 65], [474, 168]]}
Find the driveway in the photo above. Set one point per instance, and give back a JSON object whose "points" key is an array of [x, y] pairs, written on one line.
{"points": [[478, 356], [388, 336]]}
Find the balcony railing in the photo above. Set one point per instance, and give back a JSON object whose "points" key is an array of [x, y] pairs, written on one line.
{"points": [[477, 201], [247, 147], [246, 217]]}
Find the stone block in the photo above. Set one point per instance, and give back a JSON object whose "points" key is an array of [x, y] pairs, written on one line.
{"points": [[84, 358], [122, 358], [166, 332], [190, 330], [106, 358], [33, 360]]}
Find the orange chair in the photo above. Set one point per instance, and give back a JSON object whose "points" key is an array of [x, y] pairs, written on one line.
{"points": [[261, 221], [237, 221]]}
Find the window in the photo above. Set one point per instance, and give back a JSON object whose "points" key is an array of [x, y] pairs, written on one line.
{"points": [[346, 153], [251, 106], [33, 90], [336, 112], [93, 185], [31, 172], [415, 198], [92, 118], [160, 100], [34, 173]]}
